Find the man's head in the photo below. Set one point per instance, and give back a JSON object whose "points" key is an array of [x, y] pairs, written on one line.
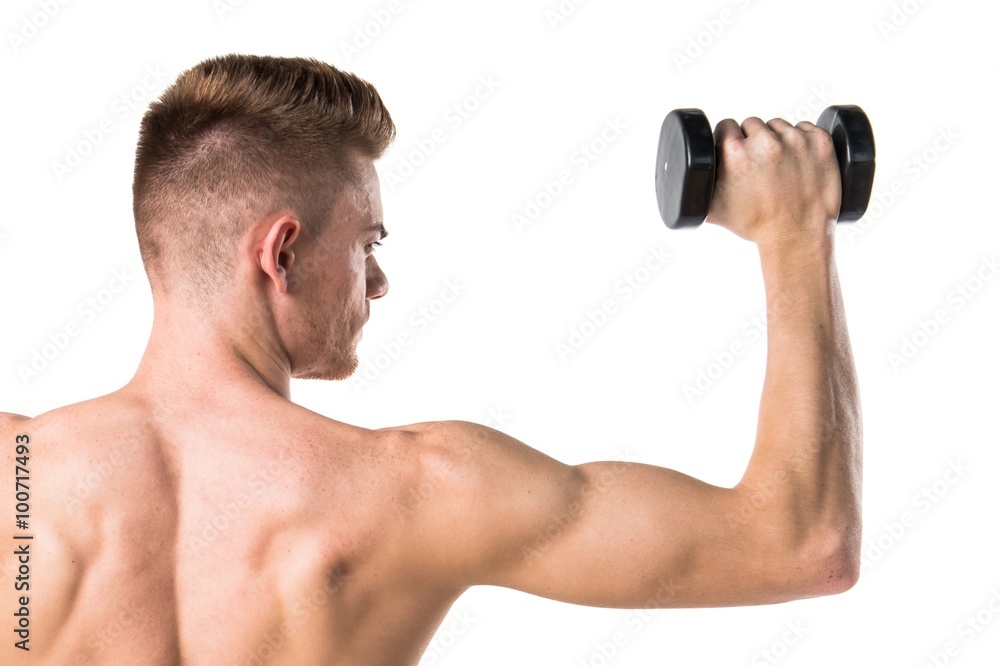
{"points": [[254, 179]]}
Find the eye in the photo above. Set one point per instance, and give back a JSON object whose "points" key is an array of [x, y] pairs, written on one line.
{"points": [[372, 246]]}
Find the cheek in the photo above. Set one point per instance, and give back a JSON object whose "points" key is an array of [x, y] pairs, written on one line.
{"points": [[352, 289], [364, 275], [352, 281]]}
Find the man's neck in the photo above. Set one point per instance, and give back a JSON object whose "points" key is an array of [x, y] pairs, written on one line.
{"points": [[188, 350]]}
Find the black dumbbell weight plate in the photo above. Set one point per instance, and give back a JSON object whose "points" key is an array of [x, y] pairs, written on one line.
{"points": [[685, 168], [854, 142]]}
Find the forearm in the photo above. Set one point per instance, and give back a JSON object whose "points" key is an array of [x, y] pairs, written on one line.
{"points": [[806, 463]]}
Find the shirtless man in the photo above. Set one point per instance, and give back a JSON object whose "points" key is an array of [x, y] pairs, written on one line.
{"points": [[197, 516]]}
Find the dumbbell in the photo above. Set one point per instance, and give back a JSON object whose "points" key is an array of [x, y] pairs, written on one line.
{"points": [[686, 159]]}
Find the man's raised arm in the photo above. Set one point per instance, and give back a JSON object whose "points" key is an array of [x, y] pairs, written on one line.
{"points": [[632, 535]]}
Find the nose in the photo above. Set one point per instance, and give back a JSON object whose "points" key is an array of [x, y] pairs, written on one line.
{"points": [[377, 284]]}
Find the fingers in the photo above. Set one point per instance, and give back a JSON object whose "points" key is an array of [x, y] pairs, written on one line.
{"points": [[801, 133], [728, 130], [817, 136], [780, 126], [753, 125]]}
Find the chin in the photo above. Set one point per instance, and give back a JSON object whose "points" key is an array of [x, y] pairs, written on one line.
{"points": [[339, 368]]}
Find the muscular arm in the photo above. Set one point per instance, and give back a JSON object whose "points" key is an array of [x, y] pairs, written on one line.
{"points": [[633, 535], [806, 464]]}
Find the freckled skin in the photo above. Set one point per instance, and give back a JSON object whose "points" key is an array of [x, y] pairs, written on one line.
{"points": [[197, 516]]}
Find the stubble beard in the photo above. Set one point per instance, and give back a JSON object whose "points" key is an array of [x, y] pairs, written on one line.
{"points": [[337, 359], [339, 362]]}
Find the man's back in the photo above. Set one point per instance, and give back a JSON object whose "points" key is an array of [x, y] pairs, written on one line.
{"points": [[207, 533]]}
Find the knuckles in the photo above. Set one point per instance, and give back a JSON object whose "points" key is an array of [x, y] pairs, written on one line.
{"points": [[802, 142], [823, 145]]}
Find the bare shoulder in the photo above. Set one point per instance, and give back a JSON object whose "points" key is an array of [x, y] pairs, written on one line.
{"points": [[482, 495], [11, 424], [457, 455], [8, 420], [12, 434], [469, 454], [456, 438], [434, 451], [74, 417]]}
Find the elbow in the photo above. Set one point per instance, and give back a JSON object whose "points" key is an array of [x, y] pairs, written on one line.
{"points": [[839, 578], [833, 564]]}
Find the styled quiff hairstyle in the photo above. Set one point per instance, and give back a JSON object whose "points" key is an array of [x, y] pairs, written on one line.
{"points": [[239, 137]]}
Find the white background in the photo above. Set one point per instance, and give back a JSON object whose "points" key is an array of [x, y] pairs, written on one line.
{"points": [[491, 355]]}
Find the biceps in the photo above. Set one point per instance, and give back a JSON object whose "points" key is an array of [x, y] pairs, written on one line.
{"points": [[644, 536]]}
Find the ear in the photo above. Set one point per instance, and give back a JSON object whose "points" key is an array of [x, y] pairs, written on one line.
{"points": [[275, 254]]}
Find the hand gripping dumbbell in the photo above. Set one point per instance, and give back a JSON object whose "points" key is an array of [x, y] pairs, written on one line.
{"points": [[686, 159]]}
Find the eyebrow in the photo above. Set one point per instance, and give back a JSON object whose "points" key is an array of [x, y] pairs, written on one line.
{"points": [[379, 227]]}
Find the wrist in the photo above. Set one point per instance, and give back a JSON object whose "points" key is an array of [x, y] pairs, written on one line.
{"points": [[799, 246]]}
